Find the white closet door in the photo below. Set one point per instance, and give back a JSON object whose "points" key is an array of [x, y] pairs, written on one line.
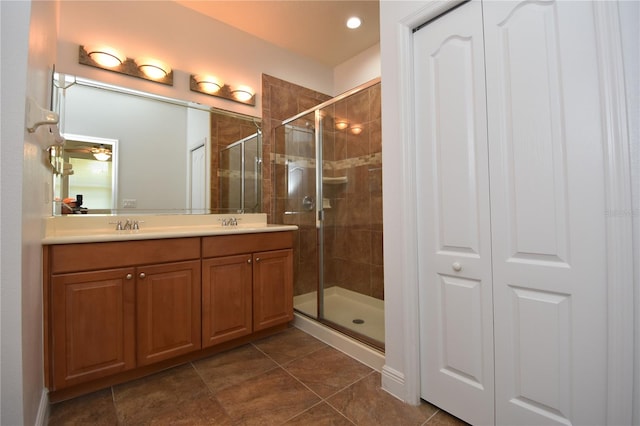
{"points": [[547, 212], [453, 205]]}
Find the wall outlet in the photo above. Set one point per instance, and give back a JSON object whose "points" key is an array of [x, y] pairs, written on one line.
{"points": [[129, 203]]}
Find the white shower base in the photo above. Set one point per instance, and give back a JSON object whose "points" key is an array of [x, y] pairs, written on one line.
{"points": [[342, 306]]}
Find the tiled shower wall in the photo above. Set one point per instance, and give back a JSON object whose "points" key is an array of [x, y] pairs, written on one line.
{"points": [[225, 130], [280, 100], [353, 203]]}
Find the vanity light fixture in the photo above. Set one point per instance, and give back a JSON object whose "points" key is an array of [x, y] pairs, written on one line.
{"points": [[105, 56], [356, 129], [212, 86], [208, 83], [109, 59], [153, 68], [341, 124], [242, 93]]}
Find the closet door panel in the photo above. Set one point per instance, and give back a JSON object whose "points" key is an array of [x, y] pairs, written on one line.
{"points": [[453, 230], [547, 212]]}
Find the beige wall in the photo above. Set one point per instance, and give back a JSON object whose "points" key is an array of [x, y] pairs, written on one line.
{"points": [[186, 40]]}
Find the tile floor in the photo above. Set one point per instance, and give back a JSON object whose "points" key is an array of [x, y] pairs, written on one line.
{"points": [[290, 378]]}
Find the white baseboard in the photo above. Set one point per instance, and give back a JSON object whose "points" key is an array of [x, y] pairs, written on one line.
{"points": [[356, 350], [393, 383], [43, 409]]}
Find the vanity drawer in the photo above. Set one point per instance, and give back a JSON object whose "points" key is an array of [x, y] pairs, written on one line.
{"points": [[225, 245], [117, 254]]}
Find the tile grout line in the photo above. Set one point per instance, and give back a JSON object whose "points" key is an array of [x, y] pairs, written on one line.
{"points": [[322, 400], [431, 417]]}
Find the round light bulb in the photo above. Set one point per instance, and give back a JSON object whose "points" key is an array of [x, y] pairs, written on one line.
{"points": [[341, 124], [242, 93], [208, 83], [105, 56], [153, 68], [356, 129], [354, 22]]}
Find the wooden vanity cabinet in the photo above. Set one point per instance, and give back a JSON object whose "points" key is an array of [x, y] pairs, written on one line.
{"points": [[247, 284], [272, 288], [167, 310], [226, 298], [120, 310], [142, 306]]}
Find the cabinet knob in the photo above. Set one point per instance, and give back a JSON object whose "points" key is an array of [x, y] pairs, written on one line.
{"points": [[142, 275], [129, 276], [248, 260], [456, 266], [257, 259]]}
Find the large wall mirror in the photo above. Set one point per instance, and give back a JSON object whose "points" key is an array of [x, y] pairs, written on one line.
{"points": [[129, 152]]}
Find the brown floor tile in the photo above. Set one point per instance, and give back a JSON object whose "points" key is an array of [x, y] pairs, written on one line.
{"points": [[233, 367], [96, 408], [268, 399], [320, 415], [176, 396], [327, 371], [365, 403], [289, 345], [442, 418]]}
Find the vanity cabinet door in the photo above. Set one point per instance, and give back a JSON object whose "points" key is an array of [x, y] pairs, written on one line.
{"points": [[93, 325], [168, 310], [272, 288], [226, 298]]}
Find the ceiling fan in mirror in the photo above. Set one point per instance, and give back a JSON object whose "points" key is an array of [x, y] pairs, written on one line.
{"points": [[99, 152]]}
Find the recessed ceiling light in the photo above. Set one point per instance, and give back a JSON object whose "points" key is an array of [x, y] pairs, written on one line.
{"points": [[353, 22]]}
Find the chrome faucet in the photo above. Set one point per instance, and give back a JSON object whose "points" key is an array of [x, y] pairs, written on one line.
{"points": [[128, 225], [118, 225], [231, 221]]}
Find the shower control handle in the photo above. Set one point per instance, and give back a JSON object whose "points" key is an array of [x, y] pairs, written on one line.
{"points": [[456, 266]]}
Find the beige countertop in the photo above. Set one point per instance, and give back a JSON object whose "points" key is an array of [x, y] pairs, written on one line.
{"points": [[71, 229]]}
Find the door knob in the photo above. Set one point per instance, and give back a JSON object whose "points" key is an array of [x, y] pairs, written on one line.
{"points": [[456, 266]]}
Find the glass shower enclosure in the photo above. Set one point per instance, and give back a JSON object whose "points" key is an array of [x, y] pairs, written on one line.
{"points": [[239, 173], [328, 175]]}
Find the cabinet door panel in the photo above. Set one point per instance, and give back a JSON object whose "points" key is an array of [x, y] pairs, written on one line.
{"points": [[168, 316], [93, 325], [272, 288], [226, 298]]}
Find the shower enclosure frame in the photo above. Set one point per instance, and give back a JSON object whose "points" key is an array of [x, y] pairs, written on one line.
{"points": [[320, 210], [243, 171]]}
